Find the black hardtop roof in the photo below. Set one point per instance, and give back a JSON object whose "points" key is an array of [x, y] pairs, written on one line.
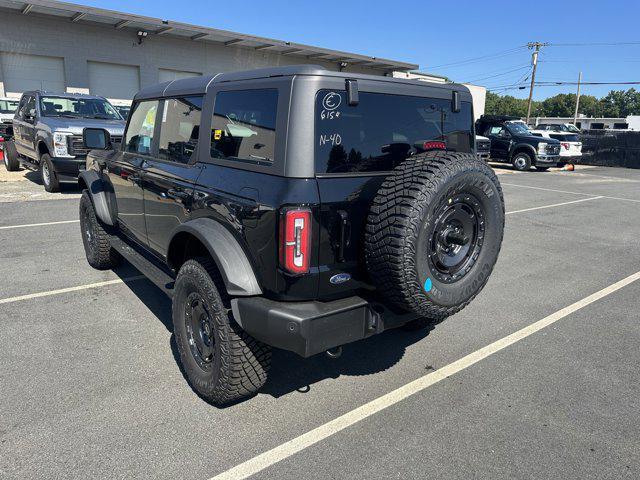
{"points": [[199, 85]]}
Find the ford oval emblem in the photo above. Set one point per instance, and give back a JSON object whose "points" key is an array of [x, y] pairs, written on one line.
{"points": [[340, 278]]}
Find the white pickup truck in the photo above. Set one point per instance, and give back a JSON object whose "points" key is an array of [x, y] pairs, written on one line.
{"points": [[570, 144]]}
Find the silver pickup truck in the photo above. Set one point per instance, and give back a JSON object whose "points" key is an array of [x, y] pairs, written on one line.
{"points": [[47, 131]]}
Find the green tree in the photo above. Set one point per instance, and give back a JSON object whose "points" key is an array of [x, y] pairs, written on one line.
{"points": [[620, 103], [617, 103]]}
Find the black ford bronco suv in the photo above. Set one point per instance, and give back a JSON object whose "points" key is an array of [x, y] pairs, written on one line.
{"points": [[296, 208], [513, 142]]}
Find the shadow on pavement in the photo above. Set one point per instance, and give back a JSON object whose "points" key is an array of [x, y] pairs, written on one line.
{"points": [[289, 372], [65, 187]]}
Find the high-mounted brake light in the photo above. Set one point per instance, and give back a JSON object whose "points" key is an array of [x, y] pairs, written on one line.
{"points": [[295, 240], [434, 145]]}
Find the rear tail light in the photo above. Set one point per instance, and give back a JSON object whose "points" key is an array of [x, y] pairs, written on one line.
{"points": [[434, 145], [565, 145], [295, 240]]}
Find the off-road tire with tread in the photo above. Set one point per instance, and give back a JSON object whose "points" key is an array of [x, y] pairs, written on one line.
{"points": [[95, 237], [240, 363], [11, 157], [53, 185], [402, 223]]}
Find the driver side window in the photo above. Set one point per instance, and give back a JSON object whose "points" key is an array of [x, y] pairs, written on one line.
{"points": [[139, 136]]}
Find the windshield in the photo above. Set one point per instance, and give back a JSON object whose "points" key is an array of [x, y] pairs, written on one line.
{"points": [[571, 128], [8, 106], [123, 110], [518, 128], [78, 108]]}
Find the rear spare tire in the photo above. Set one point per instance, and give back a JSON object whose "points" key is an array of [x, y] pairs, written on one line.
{"points": [[434, 232]]}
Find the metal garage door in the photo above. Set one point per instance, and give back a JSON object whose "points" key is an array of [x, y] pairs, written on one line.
{"points": [[114, 81], [21, 72], [166, 75]]}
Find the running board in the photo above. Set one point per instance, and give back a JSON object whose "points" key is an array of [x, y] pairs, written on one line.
{"points": [[147, 266]]}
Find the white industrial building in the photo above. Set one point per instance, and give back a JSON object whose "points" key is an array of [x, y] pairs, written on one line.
{"points": [[60, 47]]}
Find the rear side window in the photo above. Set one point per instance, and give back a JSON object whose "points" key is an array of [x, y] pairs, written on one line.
{"points": [[140, 132], [180, 129], [244, 125], [382, 130]]}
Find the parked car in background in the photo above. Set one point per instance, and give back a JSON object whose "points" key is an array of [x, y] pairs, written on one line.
{"points": [[570, 144], [483, 148], [8, 107], [123, 108], [513, 142], [48, 128], [558, 127]]}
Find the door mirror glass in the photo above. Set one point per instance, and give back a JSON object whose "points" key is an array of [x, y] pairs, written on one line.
{"points": [[96, 139]]}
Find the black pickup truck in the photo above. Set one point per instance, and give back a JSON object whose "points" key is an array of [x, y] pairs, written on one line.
{"points": [[296, 208], [513, 142]]}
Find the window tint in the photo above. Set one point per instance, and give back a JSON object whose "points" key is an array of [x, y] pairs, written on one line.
{"points": [[78, 107], [28, 107], [180, 129], [8, 106], [244, 125], [382, 130], [565, 137], [496, 130], [139, 135]]}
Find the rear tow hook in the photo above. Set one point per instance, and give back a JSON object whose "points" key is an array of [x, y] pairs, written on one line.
{"points": [[334, 352]]}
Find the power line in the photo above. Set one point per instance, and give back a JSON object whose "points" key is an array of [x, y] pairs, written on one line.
{"points": [[483, 57], [593, 44], [498, 74]]}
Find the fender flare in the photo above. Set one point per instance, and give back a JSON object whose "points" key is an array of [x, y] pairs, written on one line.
{"points": [[102, 196], [236, 270], [524, 146]]}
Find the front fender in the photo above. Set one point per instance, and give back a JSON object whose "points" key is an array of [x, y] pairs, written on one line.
{"points": [[102, 195], [523, 146], [235, 268]]}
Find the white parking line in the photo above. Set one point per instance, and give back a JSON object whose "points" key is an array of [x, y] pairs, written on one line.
{"points": [[70, 289], [38, 224], [281, 452], [551, 206], [570, 193]]}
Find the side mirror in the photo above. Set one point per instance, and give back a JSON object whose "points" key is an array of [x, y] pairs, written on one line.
{"points": [[96, 139]]}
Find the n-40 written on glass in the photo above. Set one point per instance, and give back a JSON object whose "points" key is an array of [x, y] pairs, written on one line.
{"points": [[332, 139]]}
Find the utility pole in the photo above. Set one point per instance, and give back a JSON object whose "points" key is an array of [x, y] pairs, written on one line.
{"points": [[575, 116], [534, 59]]}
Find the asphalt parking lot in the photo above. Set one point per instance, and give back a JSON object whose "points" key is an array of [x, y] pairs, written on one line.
{"points": [[91, 388]]}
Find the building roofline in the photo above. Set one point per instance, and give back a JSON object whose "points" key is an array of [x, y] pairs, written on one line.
{"points": [[199, 85], [167, 28]]}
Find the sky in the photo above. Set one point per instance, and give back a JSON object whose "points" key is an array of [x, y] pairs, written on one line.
{"points": [[480, 41]]}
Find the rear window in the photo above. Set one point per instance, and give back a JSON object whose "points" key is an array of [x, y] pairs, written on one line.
{"points": [[382, 130], [565, 138], [244, 125]]}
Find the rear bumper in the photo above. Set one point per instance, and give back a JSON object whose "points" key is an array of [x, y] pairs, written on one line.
{"points": [[308, 328]]}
